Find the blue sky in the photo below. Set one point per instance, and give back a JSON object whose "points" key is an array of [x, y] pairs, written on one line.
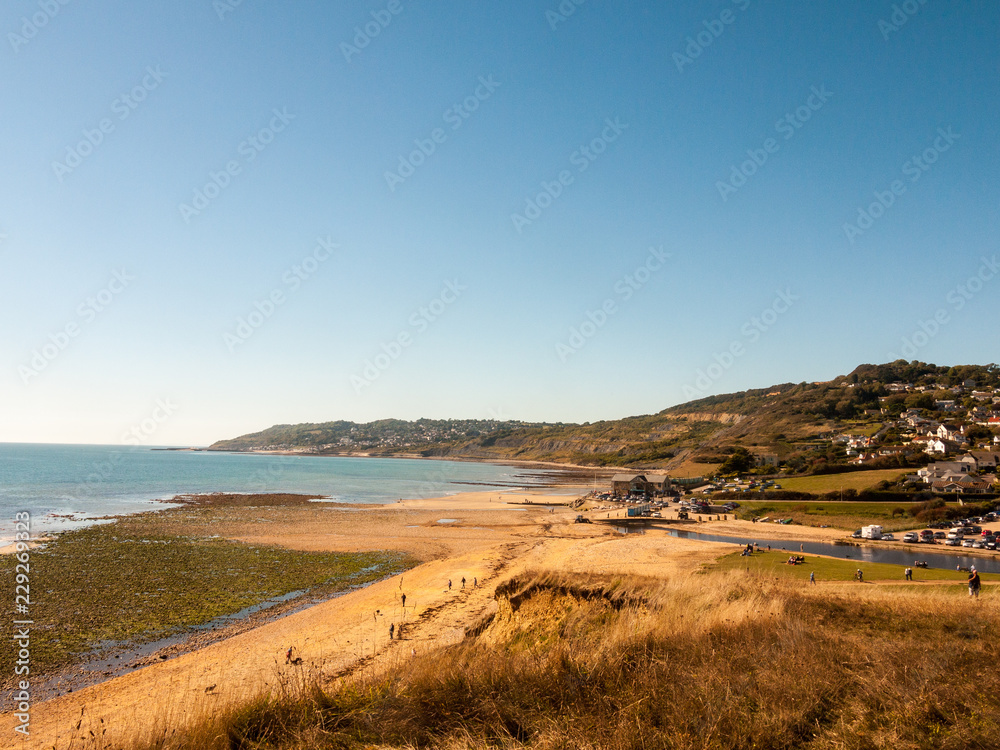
{"points": [[215, 217]]}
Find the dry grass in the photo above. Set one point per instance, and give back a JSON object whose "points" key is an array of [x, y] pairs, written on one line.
{"points": [[720, 661], [850, 480]]}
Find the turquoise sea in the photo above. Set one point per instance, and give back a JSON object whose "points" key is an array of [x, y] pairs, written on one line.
{"points": [[64, 486]]}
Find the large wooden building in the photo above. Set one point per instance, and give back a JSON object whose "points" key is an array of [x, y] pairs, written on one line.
{"points": [[639, 484]]}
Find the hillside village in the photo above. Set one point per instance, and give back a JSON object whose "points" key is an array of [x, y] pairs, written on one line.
{"points": [[959, 431]]}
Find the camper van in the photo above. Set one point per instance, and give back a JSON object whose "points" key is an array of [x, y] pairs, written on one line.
{"points": [[871, 532]]}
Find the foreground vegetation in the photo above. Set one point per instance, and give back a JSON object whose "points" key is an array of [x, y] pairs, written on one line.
{"points": [[723, 660], [107, 584]]}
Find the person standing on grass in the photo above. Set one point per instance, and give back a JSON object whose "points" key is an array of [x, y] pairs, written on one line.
{"points": [[974, 582], [812, 577], [908, 574], [860, 576]]}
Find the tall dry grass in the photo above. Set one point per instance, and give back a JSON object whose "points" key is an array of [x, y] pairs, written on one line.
{"points": [[710, 661]]}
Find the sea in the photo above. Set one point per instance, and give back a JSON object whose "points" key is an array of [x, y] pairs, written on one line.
{"points": [[68, 486]]}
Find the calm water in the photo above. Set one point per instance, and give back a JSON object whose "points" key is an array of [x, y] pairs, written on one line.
{"points": [[66, 485]]}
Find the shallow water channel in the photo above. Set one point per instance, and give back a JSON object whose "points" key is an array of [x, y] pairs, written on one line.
{"points": [[934, 555]]}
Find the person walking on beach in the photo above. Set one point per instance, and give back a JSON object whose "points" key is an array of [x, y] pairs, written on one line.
{"points": [[475, 582], [974, 582], [288, 655], [463, 582], [392, 630], [403, 599], [449, 584]]}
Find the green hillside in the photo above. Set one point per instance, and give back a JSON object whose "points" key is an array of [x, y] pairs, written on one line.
{"points": [[793, 422]]}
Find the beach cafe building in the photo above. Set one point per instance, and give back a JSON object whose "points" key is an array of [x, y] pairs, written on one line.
{"points": [[639, 484]]}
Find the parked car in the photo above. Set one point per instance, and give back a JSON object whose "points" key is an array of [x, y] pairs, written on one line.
{"points": [[967, 542], [911, 537], [888, 538], [856, 534], [939, 535], [953, 541]]}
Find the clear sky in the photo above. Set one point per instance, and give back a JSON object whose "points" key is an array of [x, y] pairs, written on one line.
{"points": [[215, 217]]}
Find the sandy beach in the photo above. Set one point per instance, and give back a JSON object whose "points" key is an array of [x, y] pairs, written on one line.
{"points": [[483, 537]]}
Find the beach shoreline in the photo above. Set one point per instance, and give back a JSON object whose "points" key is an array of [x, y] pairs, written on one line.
{"points": [[483, 537]]}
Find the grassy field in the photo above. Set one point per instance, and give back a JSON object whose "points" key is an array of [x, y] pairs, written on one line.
{"points": [[692, 469], [724, 661], [856, 480], [774, 563], [847, 515], [110, 583]]}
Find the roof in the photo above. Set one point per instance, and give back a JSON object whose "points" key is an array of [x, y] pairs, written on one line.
{"points": [[626, 477]]}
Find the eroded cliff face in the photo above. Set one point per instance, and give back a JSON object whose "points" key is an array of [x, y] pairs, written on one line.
{"points": [[541, 612], [710, 416]]}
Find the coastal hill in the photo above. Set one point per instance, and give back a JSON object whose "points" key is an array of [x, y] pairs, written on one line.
{"points": [[793, 423]]}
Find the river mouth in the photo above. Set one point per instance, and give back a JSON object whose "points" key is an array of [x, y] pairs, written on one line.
{"points": [[861, 553]]}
